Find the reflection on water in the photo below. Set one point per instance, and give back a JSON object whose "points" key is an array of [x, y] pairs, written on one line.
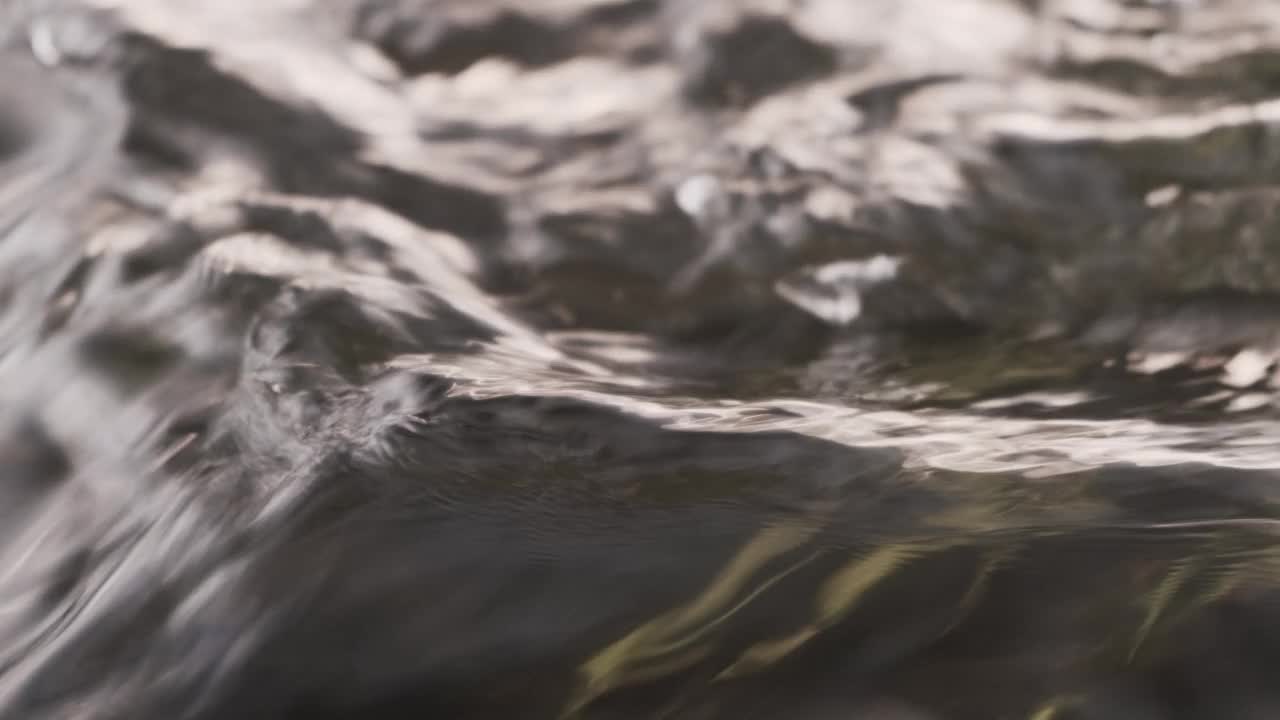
{"points": [[639, 359]]}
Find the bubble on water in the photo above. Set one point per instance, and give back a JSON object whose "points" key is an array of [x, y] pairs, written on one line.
{"points": [[695, 195]]}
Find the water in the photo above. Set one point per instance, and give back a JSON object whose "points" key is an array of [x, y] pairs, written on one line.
{"points": [[637, 359]]}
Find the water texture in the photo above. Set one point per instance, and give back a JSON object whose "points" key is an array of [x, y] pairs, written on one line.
{"points": [[613, 359]]}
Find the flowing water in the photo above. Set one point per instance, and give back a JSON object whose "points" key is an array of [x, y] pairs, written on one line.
{"points": [[562, 359]]}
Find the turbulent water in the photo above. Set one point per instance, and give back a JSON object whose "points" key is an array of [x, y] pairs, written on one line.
{"points": [[603, 359]]}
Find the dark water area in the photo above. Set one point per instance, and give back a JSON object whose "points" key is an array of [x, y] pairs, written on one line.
{"points": [[621, 359]]}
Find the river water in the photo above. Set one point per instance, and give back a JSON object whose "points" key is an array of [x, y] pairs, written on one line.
{"points": [[610, 359]]}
